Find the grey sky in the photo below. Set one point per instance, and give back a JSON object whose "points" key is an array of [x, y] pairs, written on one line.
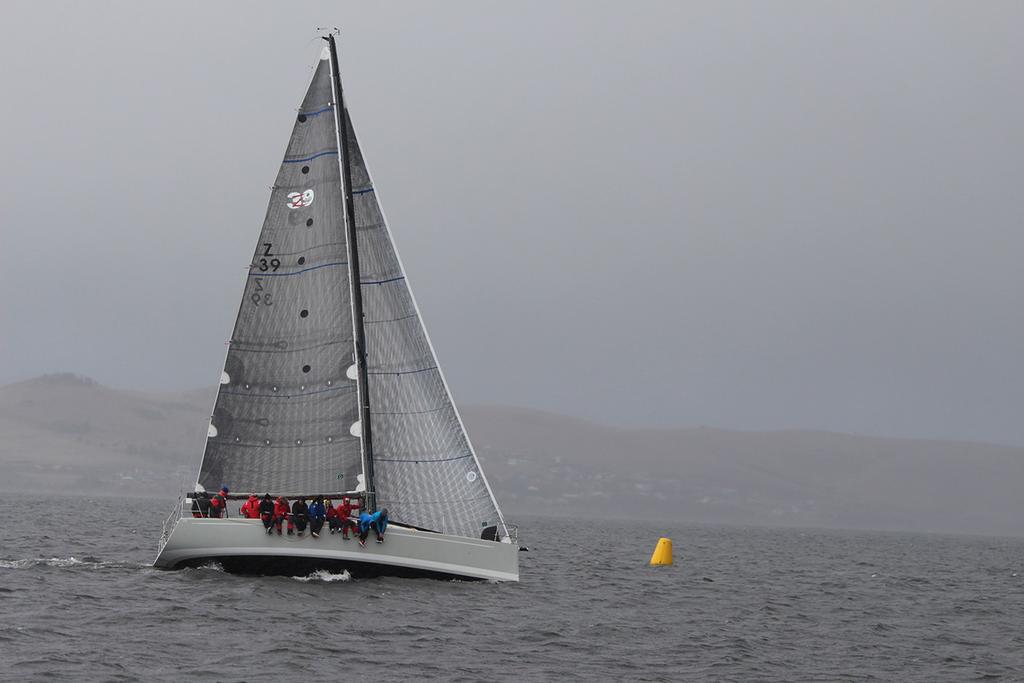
{"points": [[749, 215]]}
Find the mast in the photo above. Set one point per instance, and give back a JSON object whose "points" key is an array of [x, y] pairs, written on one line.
{"points": [[362, 384]]}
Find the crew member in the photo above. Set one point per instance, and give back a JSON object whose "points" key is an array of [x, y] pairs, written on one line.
{"points": [[282, 513], [300, 515], [219, 503], [342, 519], [378, 521], [251, 508], [317, 515], [266, 511], [332, 515]]}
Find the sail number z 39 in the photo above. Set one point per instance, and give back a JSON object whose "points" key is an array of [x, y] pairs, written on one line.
{"points": [[260, 296], [267, 261]]}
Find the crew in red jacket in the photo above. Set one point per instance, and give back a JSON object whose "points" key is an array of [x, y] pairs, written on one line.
{"points": [[219, 503], [332, 515], [282, 512], [251, 508], [342, 519]]}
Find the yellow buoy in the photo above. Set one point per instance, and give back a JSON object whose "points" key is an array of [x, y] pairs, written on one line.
{"points": [[662, 552]]}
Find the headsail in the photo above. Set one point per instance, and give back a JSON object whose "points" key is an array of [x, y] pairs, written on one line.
{"points": [[425, 470], [286, 405]]}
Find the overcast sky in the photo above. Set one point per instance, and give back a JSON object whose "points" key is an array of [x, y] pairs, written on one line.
{"points": [[746, 215]]}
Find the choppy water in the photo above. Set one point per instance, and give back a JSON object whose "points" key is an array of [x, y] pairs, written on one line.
{"points": [[78, 602]]}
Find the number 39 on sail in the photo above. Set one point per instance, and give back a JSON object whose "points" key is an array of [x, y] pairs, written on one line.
{"points": [[332, 389]]}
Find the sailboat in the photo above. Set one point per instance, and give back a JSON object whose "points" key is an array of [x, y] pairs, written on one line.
{"points": [[331, 387]]}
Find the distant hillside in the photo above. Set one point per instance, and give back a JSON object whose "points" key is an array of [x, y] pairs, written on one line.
{"points": [[549, 463], [68, 433], [63, 433]]}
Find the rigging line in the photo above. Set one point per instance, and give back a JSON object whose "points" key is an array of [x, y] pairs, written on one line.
{"points": [[311, 157], [298, 272], [410, 412], [295, 349], [381, 282], [303, 251], [308, 393], [329, 107], [265, 422], [291, 444], [398, 501], [392, 320], [423, 461], [405, 372], [260, 345]]}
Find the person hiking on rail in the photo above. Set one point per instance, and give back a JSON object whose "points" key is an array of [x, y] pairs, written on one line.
{"points": [[281, 513], [378, 521], [300, 515], [251, 508], [219, 503], [342, 519], [266, 511], [317, 515], [332, 515]]}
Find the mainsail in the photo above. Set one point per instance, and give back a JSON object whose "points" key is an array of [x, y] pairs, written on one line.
{"points": [[285, 406], [286, 418]]}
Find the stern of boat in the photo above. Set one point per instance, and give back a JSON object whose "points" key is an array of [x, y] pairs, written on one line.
{"points": [[168, 527]]}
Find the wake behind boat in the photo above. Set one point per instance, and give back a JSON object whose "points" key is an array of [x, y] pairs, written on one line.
{"points": [[332, 388]]}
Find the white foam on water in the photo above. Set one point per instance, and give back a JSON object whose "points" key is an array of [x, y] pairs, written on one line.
{"points": [[69, 562], [46, 562], [325, 576], [212, 566]]}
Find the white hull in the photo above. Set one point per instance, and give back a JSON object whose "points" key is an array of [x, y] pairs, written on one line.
{"points": [[244, 545]]}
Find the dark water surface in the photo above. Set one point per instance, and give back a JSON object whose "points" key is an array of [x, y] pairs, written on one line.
{"points": [[80, 603]]}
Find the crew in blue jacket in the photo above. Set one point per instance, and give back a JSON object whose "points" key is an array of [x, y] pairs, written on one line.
{"points": [[317, 515], [378, 521]]}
